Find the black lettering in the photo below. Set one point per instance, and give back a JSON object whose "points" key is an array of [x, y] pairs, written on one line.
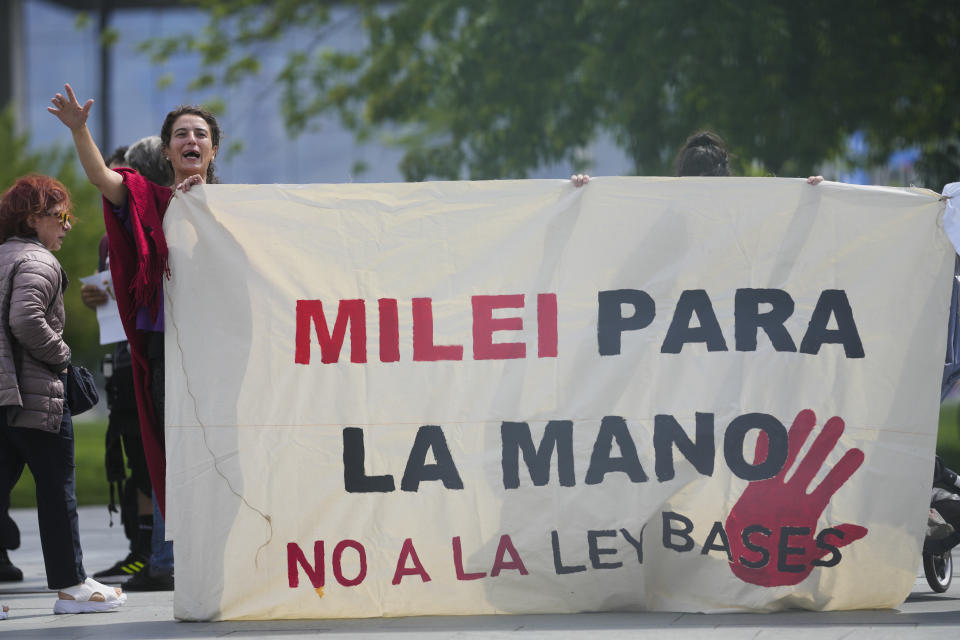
{"points": [[636, 543], [748, 319], [430, 438], [558, 565], [832, 302], [355, 479], [764, 554], [596, 551], [614, 427], [515, 437], [669, 532], [822, 543], [784, 549], [776, 449], [668, 432], [680, 332], [710, 545], [611, 324]]}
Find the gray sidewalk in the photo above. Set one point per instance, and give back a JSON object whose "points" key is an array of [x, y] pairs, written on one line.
{"points": [[150, 615]]}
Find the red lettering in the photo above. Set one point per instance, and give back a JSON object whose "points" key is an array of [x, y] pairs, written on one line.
{"points": [[547, 325], [389, 330], [458, 563], [506, 547], [338, 564], [296, 556], [349, 312], [424, 350], [311, 319], [484, 324], [416, 570]]}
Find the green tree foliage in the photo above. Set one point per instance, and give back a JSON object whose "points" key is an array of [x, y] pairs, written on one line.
{"points": [[79, 253], [494, 88]]}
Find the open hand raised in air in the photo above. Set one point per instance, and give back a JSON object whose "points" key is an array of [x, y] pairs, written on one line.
{"points": [[68, 109]]}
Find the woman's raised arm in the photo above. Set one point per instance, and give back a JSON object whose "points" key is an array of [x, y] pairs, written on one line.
{"points": [[69, 112]]}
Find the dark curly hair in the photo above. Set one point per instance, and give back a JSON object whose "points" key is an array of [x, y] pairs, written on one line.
{"points": [[33, 194], [166, 131], [703, 154]]}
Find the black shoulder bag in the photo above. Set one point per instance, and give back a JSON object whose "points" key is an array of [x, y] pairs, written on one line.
{"points": [[81, 392]]}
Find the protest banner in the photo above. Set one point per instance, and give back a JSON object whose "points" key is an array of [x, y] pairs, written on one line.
{"points": [[691, 394]]}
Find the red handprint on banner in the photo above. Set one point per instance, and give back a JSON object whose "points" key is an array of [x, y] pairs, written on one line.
{"points": [[772, 527]]}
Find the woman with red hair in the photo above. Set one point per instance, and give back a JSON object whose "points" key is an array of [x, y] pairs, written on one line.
{"points": [[35, 425]]}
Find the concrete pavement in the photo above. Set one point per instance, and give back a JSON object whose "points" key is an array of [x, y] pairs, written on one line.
{"points": [[150, 615]]}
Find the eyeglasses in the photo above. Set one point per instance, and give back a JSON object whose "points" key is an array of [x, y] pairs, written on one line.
{"points": [[62, 216]]}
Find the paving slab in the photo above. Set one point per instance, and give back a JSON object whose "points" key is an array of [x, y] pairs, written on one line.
{"points": [[150, 615]]}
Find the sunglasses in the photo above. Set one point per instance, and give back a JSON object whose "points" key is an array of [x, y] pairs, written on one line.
{"points": [[62, 216]]}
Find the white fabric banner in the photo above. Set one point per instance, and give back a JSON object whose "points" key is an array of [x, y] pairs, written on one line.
{"points": [[690, 394]]}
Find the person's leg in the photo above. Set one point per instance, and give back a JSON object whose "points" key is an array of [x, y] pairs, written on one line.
{"points": [[140, 477], [160, 575], [125, 410], [11, 467], [9, 531], [950, 511], [161, 558], [136, 502], [9, 572], [137, 558], [50, 457], [114, 466]]}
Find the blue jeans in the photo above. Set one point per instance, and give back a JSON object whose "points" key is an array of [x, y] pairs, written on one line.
{"points": [[161, 551]]}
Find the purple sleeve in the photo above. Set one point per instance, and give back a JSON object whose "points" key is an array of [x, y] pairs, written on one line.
{"points": [[103, 250], [123, 215], [146, 323]]}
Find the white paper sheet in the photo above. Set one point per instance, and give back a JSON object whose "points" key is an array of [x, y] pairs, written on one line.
{"points": [[108, 315]]}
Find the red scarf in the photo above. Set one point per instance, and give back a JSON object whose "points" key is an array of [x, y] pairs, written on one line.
{"points": [[138, 262]]}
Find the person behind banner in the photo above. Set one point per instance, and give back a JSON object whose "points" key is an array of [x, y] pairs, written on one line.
{"points": [[36, 429], [703, 153], [133, 213]]}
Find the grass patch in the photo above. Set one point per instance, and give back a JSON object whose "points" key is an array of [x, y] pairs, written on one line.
{"points": [[92, 485]]}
